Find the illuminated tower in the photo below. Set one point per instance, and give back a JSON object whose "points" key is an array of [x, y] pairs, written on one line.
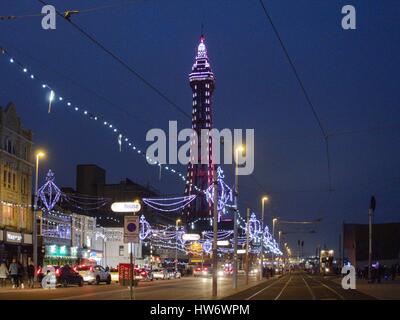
{"points": [[200, 175]]}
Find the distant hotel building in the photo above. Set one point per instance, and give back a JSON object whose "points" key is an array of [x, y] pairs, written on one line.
{"points": [[385, 244], [15, 187]]}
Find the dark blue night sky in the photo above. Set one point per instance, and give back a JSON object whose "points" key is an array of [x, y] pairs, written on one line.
{"points": [[352, 78]]}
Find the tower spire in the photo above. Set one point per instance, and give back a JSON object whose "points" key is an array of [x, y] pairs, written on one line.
{"points": [[200, 172]]}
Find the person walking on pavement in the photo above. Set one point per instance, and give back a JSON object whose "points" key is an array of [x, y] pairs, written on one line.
{"points": [[14, 273], [21, 275], [31, 275], [3, 274]]}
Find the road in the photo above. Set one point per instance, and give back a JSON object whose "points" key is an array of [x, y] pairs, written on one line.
{"points": [[177, 289], [299, 286], [295, 286]]}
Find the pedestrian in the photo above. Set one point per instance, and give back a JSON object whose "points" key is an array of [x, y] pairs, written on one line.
{"points": [[3, 274], [21, 274], [31, 275], [13, 270]]}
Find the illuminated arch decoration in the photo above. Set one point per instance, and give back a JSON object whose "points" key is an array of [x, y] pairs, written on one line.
{"points": [[255, 228], [169, 204], [49, 193], [207, 246], [145, 228], [225, 193]]}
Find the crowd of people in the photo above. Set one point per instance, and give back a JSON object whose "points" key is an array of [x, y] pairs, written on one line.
{"points": [[379, 272], [17, 274]]}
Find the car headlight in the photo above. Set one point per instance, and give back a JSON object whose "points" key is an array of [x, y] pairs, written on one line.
{"points": [[326, 269], [220, 273]]}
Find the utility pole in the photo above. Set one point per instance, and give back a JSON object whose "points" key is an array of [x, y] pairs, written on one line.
{"points": [[235, 218], [35, 208], [247, 245], [370, 216], [215, 240], [262, 237]]}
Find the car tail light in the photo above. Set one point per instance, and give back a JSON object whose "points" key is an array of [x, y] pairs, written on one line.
{"points": [[58, 272], [205, 269], [39, 271], [91, 269], [198, 269], [75, 269], [143, 273]]}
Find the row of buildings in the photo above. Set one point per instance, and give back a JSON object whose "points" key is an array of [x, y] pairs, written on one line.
{"points": [[70, 232]]}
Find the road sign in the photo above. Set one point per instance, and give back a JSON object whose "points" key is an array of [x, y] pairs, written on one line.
{"points": [[131, 229], [126, 207]]}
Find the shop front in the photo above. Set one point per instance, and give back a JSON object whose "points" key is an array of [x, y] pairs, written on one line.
{"points": [[59, 255], [15, 245]]}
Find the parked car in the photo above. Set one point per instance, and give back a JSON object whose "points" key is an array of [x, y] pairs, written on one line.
{"points": [[143, 274], [94, 274], [174, 274], [161, 274], [42, 271], [65, 275], [202, 272]]}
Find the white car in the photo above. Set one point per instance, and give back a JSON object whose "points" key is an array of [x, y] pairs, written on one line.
{"points": [[173, 274], [161, 274], [93, 274]]}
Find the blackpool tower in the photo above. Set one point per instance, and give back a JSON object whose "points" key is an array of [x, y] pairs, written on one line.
{"points": [[200, 174]]}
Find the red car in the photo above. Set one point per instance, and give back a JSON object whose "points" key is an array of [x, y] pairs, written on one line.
{"points": [[202, 272]]}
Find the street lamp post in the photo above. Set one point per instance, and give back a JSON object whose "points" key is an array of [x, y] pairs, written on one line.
{"points": [[235, 218], [262, 236], [39, 154], [176, 245], [370, 217], [247, 245], [273, 236], [279, 247], [215, 236]]}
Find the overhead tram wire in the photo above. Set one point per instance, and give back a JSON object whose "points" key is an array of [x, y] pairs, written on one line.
{"points": [[83, 11], [311, 105], [123, 63]]}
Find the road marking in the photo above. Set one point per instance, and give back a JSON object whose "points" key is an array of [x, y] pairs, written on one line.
{"points": [[258, 292], [91, 294], [309, 288], [329, 288], [280, 293]]}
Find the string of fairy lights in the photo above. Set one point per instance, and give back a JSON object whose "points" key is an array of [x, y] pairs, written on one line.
{"points": [[121, 137]]}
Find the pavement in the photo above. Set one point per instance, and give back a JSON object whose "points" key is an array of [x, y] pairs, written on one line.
{"points": [[186, 288], [386, 290], [299, 286]]}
